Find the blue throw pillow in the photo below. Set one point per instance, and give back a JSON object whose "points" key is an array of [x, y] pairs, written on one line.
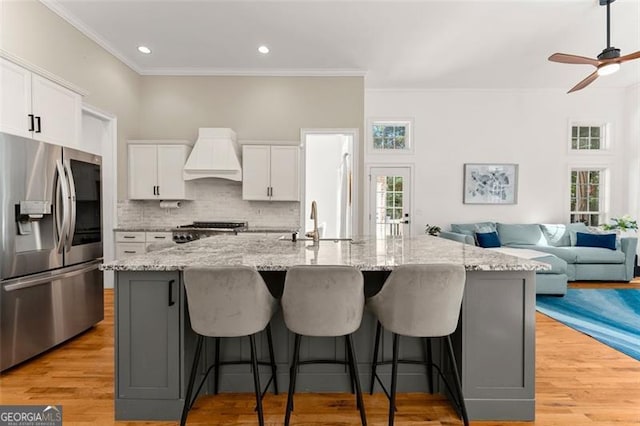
{"points": [[488, 239], [596, 240]]}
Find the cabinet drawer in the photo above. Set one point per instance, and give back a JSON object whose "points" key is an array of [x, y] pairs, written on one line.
{"points": [[159, 237], [124, 250], [129, 237]]}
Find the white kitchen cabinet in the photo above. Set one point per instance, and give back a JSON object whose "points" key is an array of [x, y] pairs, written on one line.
{"points": [[131, 243], [155, 171], [35, 107], [270, 172], [157, 239]]}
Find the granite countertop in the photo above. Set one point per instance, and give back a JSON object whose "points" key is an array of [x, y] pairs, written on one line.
{"points": [[142, 228], [269, 253]]}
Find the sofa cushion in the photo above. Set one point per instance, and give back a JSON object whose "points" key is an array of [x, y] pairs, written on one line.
{"points": [[558, 266], [607, 241], [568, 254], [558, 235], [471, 228], [520, 234], [573, 234], [487, 239], [597, 255]]}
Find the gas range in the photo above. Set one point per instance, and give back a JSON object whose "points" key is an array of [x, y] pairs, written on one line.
{"points": [[196, 230]]}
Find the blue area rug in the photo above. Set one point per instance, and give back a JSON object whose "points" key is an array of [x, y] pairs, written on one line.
{"points": [[611, 316]]}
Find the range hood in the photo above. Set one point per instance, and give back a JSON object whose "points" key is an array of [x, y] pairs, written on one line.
{"points": [[215, 155]]}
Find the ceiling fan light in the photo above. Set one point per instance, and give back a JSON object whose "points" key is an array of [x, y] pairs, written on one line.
{"points": [[608, 69]]}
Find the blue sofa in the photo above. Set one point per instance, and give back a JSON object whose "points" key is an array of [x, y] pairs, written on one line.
{"points": [[568, 261]]}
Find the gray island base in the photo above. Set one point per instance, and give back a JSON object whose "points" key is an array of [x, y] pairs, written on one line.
{"points": [[495, 340]]}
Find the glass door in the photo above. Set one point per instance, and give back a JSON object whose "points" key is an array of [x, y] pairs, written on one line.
{"points": [[389, 201]]}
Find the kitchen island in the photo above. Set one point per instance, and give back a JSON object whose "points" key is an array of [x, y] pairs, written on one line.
{"points": [[494, 343]]}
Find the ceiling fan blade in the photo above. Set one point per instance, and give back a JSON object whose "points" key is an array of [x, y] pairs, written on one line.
{"points": [[565, 58], [630, 56], [584, 83]]}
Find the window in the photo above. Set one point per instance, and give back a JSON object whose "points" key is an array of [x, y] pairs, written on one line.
{"points": [[587, 195], [390, 136], [588, 137]]}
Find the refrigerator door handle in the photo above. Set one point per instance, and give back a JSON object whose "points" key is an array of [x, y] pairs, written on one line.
{"points": [[72, 197], [20, 283], [62, 197]]}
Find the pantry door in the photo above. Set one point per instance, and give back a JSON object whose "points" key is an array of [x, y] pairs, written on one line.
{"points": [[389, 201]]}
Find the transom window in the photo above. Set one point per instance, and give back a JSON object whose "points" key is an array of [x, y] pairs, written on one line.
{"points": [[587, 196], [390, 136], [588, 137]]}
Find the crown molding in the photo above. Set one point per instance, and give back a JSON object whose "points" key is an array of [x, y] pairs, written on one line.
{"points": [[254, 72], [59, 10], [41, 71]]}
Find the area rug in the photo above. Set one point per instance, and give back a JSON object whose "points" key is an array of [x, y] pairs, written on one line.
{"points": [[611, 316]]}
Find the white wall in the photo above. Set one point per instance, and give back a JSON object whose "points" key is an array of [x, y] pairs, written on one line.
{"points": [[632, 135], [323, 164], [530, 128]]}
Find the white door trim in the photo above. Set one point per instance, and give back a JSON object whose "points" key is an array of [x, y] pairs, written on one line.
{"points": [[109, 153], [367, 200], [355, 134]]}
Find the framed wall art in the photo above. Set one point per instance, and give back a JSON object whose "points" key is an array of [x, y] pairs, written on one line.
{"points": [[490, 184]]}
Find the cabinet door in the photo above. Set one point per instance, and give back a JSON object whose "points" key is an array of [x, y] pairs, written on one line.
{"points": [[255, 172], [15, 99], [148, 339], [143, 172], [285, 177], [171, 159], [59, 110]]}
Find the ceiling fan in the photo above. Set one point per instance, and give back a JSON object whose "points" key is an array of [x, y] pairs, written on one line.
{"points": [[607, 63]]}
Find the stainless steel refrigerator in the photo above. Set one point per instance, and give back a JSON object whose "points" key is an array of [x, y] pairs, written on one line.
{"points": [[51, 246]]}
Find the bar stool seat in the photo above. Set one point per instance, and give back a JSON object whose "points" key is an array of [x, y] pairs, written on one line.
{"points": [[325, 301], [419, 301], [229, 301]]}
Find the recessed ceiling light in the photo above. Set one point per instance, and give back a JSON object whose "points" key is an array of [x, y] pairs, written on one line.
{"points": [[263, 49], [144, 49]]}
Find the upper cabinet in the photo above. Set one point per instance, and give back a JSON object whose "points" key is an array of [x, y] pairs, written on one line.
{"points": [[155, 171], [270, 172], [35, 107]]}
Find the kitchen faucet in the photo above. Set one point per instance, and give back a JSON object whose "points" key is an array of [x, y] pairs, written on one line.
{"points": [[314, 215]]}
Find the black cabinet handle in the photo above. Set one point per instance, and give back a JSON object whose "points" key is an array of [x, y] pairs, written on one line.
{"points": [[39, 130], [171, 301], [31, 123], [154, 190], [158, 189]]}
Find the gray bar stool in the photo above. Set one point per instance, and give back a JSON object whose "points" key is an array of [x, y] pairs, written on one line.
{"points": [[419, 301], [228, 302], [325, 301]]}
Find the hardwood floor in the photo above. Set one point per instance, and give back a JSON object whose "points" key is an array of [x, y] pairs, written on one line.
{"points": [[578, 382]]}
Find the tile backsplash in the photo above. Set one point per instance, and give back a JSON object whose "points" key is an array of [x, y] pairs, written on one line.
{"points": [[215, 200]]}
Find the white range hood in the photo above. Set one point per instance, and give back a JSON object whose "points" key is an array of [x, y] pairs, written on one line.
{"points": [[216, 154]]}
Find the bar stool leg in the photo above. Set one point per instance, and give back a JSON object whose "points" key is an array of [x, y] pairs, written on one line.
{"points": [[256, 379], [394, 379], [374, 363], [356, 377], [458, 385], [216, 371], [272, 359], [427, 341], [349, 363], [292, 379], [192, 379]]}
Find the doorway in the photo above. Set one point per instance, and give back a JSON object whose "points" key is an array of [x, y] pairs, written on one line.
{"points": [[389, 201], [328, 170]]}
